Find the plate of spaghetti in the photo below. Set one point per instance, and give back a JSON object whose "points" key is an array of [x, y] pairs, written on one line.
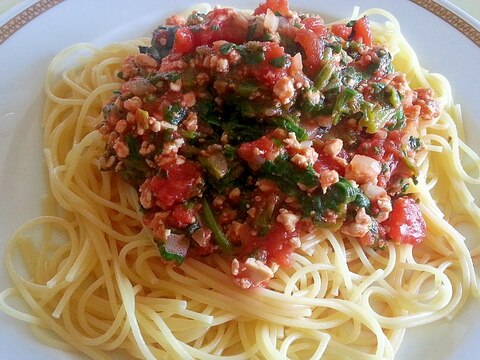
{"points": [[240, 181]]}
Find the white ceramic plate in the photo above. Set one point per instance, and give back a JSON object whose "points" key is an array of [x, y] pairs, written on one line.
{"points": [[24, 57]]}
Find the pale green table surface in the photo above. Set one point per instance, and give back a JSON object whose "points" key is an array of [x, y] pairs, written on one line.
{"points": [[472, 7]]}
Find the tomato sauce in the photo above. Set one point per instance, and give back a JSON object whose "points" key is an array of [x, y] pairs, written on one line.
{"points": [[241, 133]]}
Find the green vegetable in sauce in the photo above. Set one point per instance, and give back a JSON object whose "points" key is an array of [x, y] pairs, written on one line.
{"points": [[188, 134], [251, 53], [351, 77], [233, 178], [281, 61], [291, 47], [410, 163], [174, 248], [135, 169], [172, 76], [384, 63], [324, 76], [217, 233], [282, 167], [414, 143], [244, 131], [206, 112], [229, 152], [175, 114], [393, 96], [375, 116], [226, 48], [400, 120], [347, 102], [288, 123], [215, 164], [313, 102], [245, 89], [263, 218], [160, 49], [343, 192]]}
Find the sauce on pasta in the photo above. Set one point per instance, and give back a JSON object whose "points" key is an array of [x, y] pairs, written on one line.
{"points": [[94, 281], [242, 133]]}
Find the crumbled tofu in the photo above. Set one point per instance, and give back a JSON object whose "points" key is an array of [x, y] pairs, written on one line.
{"points": [[258, 271], [146, 198], [328, 178], [234, 195], [191, 122], [222, 65], [120, 126], [301, 161], [252, 272], [173, 146], [284, 90], [378, 195], [146, 148], [360, 226], [235, 267], [295, 242], [363, 169], [333, 147], [133, 104], [121, 149], [176, 86], [288, 219]]}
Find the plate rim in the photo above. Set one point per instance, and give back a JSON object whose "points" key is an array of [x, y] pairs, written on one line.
{"points": [[21, 14]]}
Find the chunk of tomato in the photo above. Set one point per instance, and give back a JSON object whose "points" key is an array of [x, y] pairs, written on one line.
{"points": [[265, 72], [181, 216], [280, 6], [184, 41], [222, 24], [278, 246], [256, 152], [362, 31], [341, 30], [313, 47], [178, 182], [325, 163], [405, 223], [316, 25], [273, 50]]}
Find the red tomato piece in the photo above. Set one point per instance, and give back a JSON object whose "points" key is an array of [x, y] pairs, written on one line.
{"points": [[406, 223], [265, 72], [181, 217], [313, 47], [278, 246], [280, 6], [362, 31], [389, 152], [342, 30], [179, 183], [316, 25], [222, 24], [184, 42], [273, 50], [256, 152], [325, 163]]}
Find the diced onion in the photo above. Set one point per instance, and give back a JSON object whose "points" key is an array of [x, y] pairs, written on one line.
{"points": [[297, 64], [271, 21]]}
